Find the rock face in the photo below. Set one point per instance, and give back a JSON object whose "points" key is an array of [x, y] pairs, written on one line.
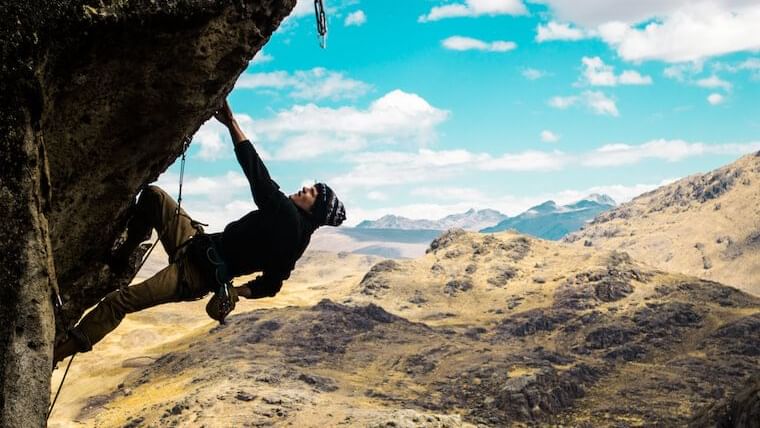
{"points": [[98, 98]]}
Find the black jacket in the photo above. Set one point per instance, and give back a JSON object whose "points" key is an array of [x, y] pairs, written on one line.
{"points": [[268, 240]]}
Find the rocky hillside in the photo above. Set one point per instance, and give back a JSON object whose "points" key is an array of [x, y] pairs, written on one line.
{"points": [[706, 225], [486, 330], [552, 221]]}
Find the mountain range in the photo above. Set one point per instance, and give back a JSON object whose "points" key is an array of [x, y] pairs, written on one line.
{"points": [[471, 220], [547, 220], [552, 221]]}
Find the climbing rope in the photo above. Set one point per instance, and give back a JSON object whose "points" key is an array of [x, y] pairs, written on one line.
{"points": [[185, 145], [58, 305], [319, 11], [58, 302]]}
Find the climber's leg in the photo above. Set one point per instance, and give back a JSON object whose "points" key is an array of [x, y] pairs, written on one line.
{"points": [[155, 209], [163, 287]]}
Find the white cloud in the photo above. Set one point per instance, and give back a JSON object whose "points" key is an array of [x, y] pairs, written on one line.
{"points": [[632, 77], [315, 84], [681, 72], [474, 8], [597, 73], [713, 82], [376, 169], [532, 160], [557, 31], [715, 99], [596, 101], [673, 31], [668, 150], [533, 74], [563, 102], [310, 130], [382, 169], [449, 193], [460, 43], [377, 196], [215, 142], [549, 137], [303, 8], [690, 33], [262, 58], [356, 19]]}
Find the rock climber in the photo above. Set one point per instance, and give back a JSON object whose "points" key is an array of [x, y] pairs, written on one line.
{"points": [[267, 240]]}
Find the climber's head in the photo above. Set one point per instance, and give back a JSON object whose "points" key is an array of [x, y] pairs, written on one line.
{"points": [[305, 198], [321, 202]]}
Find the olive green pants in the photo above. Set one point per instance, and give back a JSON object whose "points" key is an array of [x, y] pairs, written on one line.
{"points": [[180, 281]]}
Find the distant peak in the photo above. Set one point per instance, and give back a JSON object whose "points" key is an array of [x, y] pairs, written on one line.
{"points": [[600, 198]]}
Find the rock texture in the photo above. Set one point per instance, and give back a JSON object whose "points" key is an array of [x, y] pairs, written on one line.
{"points": [[706, 225], [98, 97]]}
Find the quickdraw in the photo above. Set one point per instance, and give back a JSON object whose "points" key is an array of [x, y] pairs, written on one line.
{"points": [[319, 11]]}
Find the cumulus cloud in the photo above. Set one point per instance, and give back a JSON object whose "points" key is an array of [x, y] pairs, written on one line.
{"points": [[549, 137], [715, 99], [596, 101], [460, 43], [713, 82], [558, 31], [533, 74], [673, 31], [310, 130], [692, 32], [597, 73], [474, 8], [315, 84], [355, 19]]}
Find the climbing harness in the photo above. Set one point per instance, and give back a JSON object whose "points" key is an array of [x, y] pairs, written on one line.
{"points": [[319, 11], [58, 302]]}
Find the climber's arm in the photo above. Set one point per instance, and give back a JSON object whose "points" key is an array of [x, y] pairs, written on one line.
{"points": [[224, 115], [263, 188], [266, 285]]}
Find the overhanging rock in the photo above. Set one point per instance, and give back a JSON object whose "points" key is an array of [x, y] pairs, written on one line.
{"points": [[97, 97]]}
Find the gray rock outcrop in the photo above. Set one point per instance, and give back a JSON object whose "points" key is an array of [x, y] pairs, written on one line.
{"points": [[97, 98]]}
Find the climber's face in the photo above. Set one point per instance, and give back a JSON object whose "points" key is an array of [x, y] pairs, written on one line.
{"points": [[305, 198]]}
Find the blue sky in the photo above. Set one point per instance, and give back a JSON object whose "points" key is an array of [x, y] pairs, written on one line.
{"points": [[426, 108]]}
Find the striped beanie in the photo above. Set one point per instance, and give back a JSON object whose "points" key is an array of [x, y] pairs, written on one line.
{"points": [[328, 210]]}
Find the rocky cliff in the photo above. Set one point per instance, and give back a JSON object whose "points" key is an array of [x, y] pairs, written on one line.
{"points": [[98, 97]]}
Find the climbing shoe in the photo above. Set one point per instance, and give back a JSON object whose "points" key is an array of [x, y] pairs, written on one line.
{"points": [[222, 303]]}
